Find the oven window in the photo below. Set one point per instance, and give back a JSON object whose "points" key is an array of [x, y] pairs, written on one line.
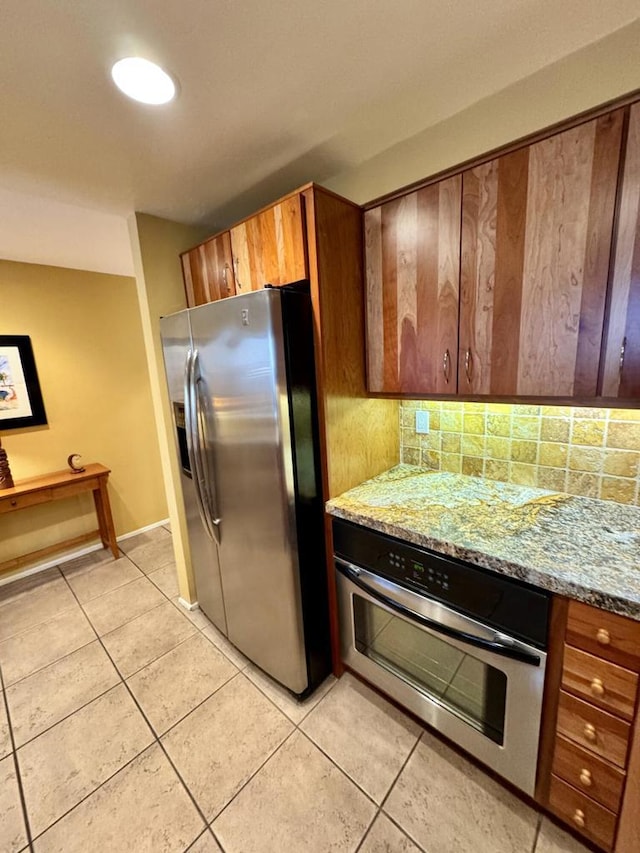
{"points": [[466, 686]]}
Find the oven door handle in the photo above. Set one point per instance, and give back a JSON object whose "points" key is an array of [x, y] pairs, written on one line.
{"points": [[471, 639]]}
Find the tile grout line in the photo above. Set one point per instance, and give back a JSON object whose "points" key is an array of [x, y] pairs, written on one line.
{"points": [[156, 739], [392, 786], [536, 835], [14, 755]]}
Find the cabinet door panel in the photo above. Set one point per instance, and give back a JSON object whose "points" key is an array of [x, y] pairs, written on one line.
{"points": [[269, 248], [412, 249], [536, 240], [621, 376], [218, 263], [207, 271]]}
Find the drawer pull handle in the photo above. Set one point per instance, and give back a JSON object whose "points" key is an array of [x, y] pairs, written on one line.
{"points": [[14, 502], [585, 778], [578, 818], [597, 687], [590, 732], [603, 636]]}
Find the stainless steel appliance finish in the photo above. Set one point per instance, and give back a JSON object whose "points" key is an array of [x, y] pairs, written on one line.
{"points": [[479, 686], [253, 486]]}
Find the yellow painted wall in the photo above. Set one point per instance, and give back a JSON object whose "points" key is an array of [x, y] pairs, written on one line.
{"points": [[592, 76], [87, 339], [156, 245]]}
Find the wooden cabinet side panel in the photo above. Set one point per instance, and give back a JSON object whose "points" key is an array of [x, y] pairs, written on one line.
{"points": [[551, 698], [361, 433], [628, 837], [624, 312]]}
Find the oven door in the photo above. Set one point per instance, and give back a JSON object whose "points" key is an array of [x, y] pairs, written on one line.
{"points": [[479, 687]]}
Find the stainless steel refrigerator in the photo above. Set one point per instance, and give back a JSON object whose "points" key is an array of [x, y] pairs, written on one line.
{"points": [[241, 380]]}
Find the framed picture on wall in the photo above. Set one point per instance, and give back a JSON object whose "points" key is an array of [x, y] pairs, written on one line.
{"points": [[21, 403]]}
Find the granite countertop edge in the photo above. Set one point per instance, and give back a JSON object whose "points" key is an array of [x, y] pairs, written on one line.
{"points": [[542, 579]]}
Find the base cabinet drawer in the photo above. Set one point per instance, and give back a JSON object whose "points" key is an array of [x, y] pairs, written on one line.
{"points": [[585, 772], [595, 730], [605, 685], [604, 634], [586, 816]]}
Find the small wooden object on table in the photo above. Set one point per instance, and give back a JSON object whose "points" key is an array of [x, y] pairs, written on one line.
{"points": [[52, 487]]}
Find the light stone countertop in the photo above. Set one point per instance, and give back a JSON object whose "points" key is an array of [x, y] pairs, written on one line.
{"points": [[583, 548]]}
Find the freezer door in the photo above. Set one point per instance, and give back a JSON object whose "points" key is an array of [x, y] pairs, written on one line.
{"points": [[240, 352], [177, 350]]}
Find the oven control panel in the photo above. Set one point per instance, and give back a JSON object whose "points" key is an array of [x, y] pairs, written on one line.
{"points": [[505, 604], [418, 572]]}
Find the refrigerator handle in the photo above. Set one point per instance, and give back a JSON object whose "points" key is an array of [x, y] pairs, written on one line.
{"points": [[211, 504], [192, 439]]}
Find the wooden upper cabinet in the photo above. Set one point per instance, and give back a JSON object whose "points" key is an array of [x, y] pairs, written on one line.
{"points": [[412, 248], [208, 271], [269, 248], [621, 368], [537, 227]]}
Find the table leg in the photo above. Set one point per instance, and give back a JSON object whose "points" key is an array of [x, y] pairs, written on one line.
{"points": [[105, 519]]}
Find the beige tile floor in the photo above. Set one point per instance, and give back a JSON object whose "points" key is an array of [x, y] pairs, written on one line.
{"points": [[128, 724]]}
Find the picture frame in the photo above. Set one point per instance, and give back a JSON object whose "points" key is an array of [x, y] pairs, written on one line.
{"points": [[21, 403]]}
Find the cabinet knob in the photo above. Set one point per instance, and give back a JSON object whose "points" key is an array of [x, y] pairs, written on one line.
{"points": [[590, 732], [14, 502], [597, 687], [578, 818], [585, 778], [603, 636]]}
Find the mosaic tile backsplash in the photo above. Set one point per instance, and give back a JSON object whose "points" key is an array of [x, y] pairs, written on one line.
{"points": [[590, 452]]}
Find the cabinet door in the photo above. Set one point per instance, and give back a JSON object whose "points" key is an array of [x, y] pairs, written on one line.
{"points": [[621, 376], [536, 241], [269, 248], [412, 247], [208, 271]]}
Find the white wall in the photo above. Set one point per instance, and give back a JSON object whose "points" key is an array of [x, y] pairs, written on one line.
{"points": [[42, 231]]}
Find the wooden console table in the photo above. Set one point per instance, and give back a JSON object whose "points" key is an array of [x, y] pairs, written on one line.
{"points": [[53, 487]]}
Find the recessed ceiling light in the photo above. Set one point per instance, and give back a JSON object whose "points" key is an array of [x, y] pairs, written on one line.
{"points": [[143, 80]]}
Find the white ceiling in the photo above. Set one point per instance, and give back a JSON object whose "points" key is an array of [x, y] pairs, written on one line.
{"points": [[272, 93]]}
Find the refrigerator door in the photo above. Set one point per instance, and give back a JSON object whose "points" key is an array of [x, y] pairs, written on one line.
{"points": [[239, 346], [176, 343]]}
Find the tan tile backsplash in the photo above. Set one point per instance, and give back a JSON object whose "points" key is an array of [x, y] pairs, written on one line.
{"points": [[589, 452]]}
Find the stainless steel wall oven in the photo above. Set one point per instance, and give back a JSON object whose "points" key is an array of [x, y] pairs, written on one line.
{"points": [[462, 647]]}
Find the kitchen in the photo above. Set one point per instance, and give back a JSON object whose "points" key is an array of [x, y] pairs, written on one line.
{"points": [[363, 433]]}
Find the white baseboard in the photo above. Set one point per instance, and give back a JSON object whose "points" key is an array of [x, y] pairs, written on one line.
{"points": [[187, 606], [143, 529], [65, 557]]}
